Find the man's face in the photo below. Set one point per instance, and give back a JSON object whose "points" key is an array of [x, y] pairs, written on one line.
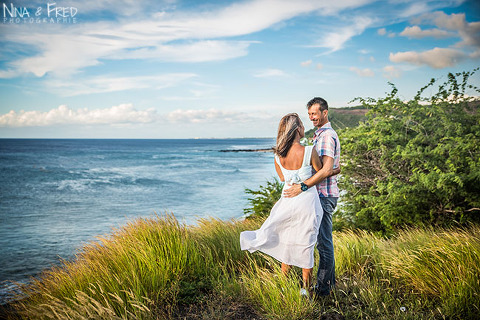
{"points": [[318, 118]]}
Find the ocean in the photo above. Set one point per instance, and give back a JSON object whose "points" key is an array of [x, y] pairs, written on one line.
{"points": [[58, 194]]}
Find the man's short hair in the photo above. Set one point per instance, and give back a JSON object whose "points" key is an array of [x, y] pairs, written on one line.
{"points": [[320, 101]]}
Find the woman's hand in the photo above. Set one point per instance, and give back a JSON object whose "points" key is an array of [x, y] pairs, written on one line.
{"points": [[293, 191]]}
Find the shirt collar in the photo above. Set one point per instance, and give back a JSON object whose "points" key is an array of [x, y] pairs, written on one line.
{"points": [[322, 128]]}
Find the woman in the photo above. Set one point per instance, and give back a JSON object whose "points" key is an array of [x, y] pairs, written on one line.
{"points": [[290, 232]]}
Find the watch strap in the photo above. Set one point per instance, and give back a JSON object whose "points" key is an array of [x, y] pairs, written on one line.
{"points": [[304, 187]]}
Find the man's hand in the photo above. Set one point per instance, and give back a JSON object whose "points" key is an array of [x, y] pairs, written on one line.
{"points": [[293, 191]]}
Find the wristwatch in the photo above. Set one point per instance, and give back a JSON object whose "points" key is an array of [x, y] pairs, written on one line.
{"points": [[304, 187]]}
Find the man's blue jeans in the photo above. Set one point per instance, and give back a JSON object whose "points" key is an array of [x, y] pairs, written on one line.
{"points": [[326, 266]]}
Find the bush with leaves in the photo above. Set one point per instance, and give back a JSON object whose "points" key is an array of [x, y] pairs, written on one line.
{"points": [[263, 199], [414, 162]]}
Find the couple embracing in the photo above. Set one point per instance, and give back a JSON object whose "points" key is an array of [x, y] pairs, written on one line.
{"points": [[303, 215]]}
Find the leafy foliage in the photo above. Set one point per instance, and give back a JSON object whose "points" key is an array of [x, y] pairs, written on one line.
{"points": [[414, 162], [263, 199]]}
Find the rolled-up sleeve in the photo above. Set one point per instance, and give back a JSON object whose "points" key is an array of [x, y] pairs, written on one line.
{"points": [[326, 145]]}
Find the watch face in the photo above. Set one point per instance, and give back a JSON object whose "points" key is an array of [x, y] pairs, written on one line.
{"points": [[304, 187]]}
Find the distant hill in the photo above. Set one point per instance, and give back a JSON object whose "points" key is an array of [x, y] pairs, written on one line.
{"points": [[342, 118]]}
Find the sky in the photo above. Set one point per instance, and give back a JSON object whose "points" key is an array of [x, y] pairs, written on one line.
{"points": [[216, 69]]}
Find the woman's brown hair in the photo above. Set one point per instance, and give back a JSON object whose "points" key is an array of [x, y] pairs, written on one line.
{"points": [[287, 130]]}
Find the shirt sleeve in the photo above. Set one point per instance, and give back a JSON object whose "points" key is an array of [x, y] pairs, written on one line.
{"points": [[326, 145]]}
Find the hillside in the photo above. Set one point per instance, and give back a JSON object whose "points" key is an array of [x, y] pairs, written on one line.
{"points": [[343, 117]]}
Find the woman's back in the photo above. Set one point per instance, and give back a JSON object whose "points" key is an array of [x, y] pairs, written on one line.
{"points": [[294, 158], [295, 167]]}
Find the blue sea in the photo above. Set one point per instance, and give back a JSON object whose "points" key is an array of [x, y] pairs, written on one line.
{"points": [[57, 195]]}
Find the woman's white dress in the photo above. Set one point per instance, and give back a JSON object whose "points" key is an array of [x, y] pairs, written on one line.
{"points": [[290, 232]]}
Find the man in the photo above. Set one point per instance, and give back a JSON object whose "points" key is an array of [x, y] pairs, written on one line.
{"points": [[327, 145]]}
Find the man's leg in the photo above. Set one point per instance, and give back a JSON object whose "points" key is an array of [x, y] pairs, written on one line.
{"points": [[326, 266]]}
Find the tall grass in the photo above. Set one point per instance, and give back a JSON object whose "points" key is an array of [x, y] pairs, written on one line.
{"points": [[276, 295], [136, 269], [440, 264], [157, 268]]}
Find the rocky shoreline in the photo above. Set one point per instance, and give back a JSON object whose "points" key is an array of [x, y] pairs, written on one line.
{"points": [[248, 150]]}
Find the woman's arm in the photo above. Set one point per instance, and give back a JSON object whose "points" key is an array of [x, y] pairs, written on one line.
{"points": [[315, 161], [279, 171]]}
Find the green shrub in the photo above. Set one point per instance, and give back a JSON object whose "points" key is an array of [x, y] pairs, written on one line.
{"points": [[263, 199], [414, 162]]}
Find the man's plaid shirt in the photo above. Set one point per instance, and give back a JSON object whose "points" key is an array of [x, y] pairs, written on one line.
{"points": [[326, 142]]}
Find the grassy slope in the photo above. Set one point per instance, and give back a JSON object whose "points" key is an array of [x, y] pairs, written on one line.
{"points": [[159, 269]]}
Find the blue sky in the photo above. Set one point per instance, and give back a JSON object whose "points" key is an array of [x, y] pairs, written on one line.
{"points": [[186, 69]]}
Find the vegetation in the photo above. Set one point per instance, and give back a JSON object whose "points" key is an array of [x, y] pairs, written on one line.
{"points": [[414, 162], [263, 199], [160, 269], [341, 118], [408, 165]]}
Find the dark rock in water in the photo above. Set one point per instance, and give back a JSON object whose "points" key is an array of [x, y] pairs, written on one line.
{"points": [[248, 150]]}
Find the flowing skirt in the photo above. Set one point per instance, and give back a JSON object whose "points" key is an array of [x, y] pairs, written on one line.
{"points": [[290, 232]]}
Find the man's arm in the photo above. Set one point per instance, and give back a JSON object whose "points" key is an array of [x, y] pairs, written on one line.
{"points": [[325, 172]]}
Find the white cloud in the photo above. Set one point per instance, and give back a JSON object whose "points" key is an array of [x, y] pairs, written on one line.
{"points": [[416, 8], [436, 58], [6, 74], [363, 72], [63, 115], [336, 40], [199, 92], [469, 32], [270, 73], [417, 33], [64, 55], [127, 115], [383, 32], [306, 63], [454, 25], [475, 54], [390, 72], [199, 51], [169, 36], [207, 116], [319, 66], [117, 7], [443, 20], [111, 84]]}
